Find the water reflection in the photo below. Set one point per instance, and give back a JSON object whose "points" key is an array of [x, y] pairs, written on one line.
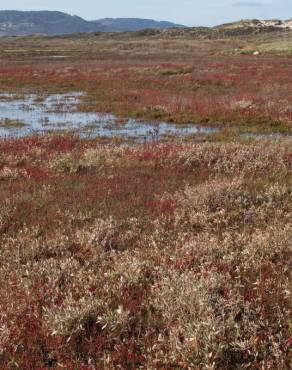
{"points": [[24, 115]]}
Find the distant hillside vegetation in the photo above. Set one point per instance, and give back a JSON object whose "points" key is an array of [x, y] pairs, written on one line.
{"points": [[256, 23], [58, 23], [133, 24]]}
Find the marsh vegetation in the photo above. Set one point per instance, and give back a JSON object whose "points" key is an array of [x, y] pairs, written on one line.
{"points": [[162, 255]]}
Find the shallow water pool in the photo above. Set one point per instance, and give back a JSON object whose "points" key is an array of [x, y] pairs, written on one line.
{"points": [[28, 114]]}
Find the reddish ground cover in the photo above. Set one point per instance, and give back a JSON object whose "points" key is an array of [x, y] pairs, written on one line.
{"points": [[251, 93], [153, 256]]}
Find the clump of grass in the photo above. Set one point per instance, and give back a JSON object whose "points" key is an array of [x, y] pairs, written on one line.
{"points": [[11, 123]]}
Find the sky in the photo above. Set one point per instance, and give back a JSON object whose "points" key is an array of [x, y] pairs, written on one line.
{"points": [[187, 12]]}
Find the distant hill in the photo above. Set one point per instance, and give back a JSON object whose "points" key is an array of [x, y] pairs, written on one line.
{"points": [[134, 24], [52, 23], [256, 23], [239, 30], [57, 23]]}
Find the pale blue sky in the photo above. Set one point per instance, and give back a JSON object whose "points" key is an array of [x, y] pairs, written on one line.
{"points": [[188, 12]]}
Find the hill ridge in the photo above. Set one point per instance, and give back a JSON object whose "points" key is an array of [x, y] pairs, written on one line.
{"points": [[20, 23]]}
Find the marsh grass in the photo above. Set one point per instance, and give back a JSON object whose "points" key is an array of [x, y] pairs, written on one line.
{"points": [[173, 255], [246, 95], [165, 255]]}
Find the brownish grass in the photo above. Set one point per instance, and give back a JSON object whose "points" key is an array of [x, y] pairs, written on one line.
{"points": [[157, 256]]}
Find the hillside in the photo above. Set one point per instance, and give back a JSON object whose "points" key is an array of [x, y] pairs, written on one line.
{"points": [[57, 23], [20, 23], [43, 22], [256, 23], [133, 24], [210, 33]]}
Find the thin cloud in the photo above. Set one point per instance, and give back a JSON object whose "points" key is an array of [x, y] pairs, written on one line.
{"points": [[248, 4]]}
